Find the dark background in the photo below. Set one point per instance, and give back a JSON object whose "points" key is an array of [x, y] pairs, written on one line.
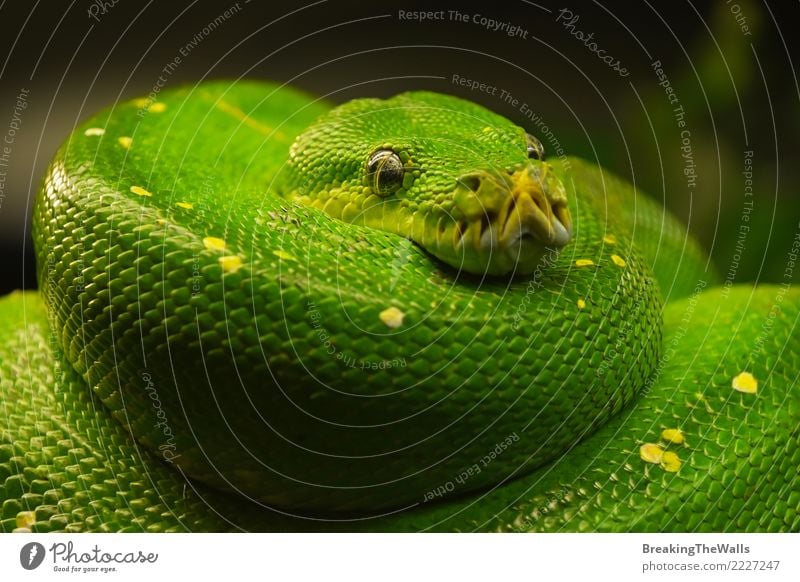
{"points": [[739, 92]]}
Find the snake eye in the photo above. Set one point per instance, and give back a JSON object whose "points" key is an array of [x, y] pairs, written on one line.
{"points": [[535, 148], [385, 172]]}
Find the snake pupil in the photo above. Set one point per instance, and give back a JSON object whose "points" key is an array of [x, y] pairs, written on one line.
{"points": [[385, 171], [535, 148]]}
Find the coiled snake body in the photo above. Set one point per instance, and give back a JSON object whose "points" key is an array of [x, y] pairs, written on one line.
{"points": [[260, 312]]}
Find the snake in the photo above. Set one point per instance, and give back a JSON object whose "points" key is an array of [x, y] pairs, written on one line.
{"points": [[262, 311]]}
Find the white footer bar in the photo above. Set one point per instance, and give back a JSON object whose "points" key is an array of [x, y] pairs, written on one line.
{"points": [[401, 557]]}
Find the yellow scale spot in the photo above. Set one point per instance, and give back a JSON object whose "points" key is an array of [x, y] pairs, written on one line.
{"points": [[150, 105], [230, 263], [651, 453], [139, 191], [610, 239], [618, 261], [284, 255], [25, 519], [745, 382], [94, 131], [392, 317], [670, 462], [581, 303], [125, 142], [584, 263], [184, 205], [672, 435], [213, 243]]}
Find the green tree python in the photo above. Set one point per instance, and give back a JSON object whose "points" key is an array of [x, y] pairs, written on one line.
{"points": [[261, 312]]}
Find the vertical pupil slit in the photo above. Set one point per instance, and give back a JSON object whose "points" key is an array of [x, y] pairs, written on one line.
{"points": [[386, 171]]}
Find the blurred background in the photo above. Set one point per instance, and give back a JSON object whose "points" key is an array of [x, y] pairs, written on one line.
{"points": [[698, 103]]}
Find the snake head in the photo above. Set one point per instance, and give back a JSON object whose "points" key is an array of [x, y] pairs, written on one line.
{"points": [[467, 185], [503, 221]]}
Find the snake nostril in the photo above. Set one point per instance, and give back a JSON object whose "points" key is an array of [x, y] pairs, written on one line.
{"points": [[471, 182]]}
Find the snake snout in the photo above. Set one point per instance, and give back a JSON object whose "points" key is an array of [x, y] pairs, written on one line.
{"points": [[532, 210], [504, 211]]}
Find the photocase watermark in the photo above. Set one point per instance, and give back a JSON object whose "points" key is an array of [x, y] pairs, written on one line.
{"points": [[568, 19], [759, 345], [740, 17], [503, 26], [545, 507], [10, 138], [197, 277], [535, 283], [345, 358], [542, 129], [472, 470], [172, 66], [79, 265], [66, 559], [623, 334], [100, 8], [200, 208], [671, 348], [474, 85], [353, 362], [744, 226], [687, 153], [792, 257], [31, 555], [168, 448]]}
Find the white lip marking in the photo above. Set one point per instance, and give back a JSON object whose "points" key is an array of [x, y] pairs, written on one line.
{"points": [[489, 238], [559, 235]]}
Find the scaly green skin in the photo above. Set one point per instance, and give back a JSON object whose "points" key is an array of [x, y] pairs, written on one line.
{"points": [[155, 317], [67, 465]]}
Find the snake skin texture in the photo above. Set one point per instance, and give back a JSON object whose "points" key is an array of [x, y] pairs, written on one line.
{"points": [[208, 356]]}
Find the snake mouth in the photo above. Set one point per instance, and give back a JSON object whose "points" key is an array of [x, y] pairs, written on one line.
{"points": [[549, 226], [508, 222], [529, 214]]}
